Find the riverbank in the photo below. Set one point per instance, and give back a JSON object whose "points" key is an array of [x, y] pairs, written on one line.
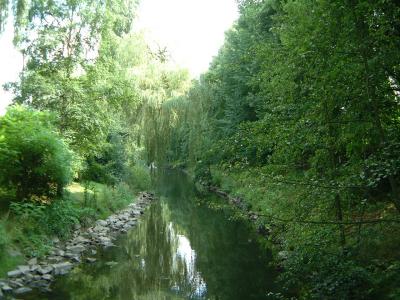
{"points": [[306, 240], [64, 256]]}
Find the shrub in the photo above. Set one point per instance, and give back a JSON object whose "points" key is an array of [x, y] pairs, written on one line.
{"points": [[109, 165], [3, 237], [34, 160], [139, 178], [57, 219], [105, 200]]}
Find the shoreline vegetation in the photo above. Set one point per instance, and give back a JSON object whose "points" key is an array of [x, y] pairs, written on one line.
{"points": [[29, 229], [251, 199], [81, 245], [298, 115]]}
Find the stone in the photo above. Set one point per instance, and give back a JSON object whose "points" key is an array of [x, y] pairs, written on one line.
{"points": [[62, 268], [132, 223], [34, 268], [105, 240], [48, 277], [16, 283], [69, 255], [100, 228], [94, 252], [119, 224], [90, 260], [14, 273], [112, 219], [37, 277], [76, 249], [81, 240], [101, 223], [32, 261], [24, 269], [40, 283], [1, 294], [54, 259], [7, 289], [22, 290], [56, 240], [45, 270], [107, 245], [76, 259], [60, 252], [28, 277]]}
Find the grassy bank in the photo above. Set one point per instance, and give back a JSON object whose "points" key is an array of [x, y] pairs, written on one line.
{"points": [[29, 229]]}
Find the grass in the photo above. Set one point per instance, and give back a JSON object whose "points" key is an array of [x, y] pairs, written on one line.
{"points": [[27, 229]]}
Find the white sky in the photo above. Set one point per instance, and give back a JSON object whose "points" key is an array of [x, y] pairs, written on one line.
{"points": [[10, 64], [192, 31]]}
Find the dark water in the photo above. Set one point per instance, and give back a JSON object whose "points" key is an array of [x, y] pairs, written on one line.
{"points": [[180, 250]]}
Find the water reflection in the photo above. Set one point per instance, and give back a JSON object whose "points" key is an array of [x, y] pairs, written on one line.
{"points": [[185, 258], [178, 251]]}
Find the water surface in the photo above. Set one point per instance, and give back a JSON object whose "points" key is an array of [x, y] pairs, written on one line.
{"points": [[180, 250]]}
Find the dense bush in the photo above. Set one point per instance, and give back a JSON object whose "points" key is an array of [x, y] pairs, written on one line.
{"points": [[34, 160], [109, 166], [57, 219], [139, 178]]}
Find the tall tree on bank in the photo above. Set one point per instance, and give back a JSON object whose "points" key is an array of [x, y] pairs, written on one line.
{"points": [[61, 41], [303, 99]]}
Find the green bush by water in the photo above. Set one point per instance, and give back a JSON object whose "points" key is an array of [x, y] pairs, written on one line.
{"points": [[34, 161], [139, 178], [313, 263]]}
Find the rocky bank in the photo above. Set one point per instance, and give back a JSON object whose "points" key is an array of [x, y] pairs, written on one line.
{"points": [[64, 256]]}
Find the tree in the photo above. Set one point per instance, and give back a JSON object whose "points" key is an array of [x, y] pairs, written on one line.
{"points": [[69, 37]]}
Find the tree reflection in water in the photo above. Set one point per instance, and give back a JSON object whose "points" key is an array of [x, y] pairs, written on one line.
{"points": [[179, 250]]}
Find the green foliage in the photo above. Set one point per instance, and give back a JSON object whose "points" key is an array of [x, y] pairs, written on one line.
{"points": [[110, 166], [99, 201], [9, 262], [61, 216], [33, 158], [4, 239], [139, 178], [71, 65], [56, 219], [298, 114]]}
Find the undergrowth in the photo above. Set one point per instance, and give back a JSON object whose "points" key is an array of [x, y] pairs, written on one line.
{"points": [[29, 229]]}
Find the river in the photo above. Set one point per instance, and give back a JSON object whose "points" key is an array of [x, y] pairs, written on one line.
{"points": [[181, 249]]}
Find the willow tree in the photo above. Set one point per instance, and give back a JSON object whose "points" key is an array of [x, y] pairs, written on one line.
{"points": [[301, 111]]}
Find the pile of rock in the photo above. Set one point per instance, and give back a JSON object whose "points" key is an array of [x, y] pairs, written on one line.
{"points": [[64, 256]]}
